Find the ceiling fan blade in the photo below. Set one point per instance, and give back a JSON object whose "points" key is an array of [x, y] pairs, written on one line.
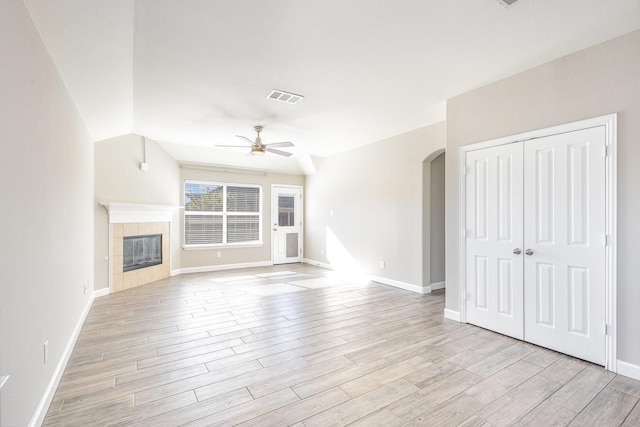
{"points": [[281, 144], [231, 146], [246, 139], [279, 152]]}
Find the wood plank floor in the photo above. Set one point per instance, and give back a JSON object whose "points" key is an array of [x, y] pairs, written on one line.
{"points": [[303, 346]]}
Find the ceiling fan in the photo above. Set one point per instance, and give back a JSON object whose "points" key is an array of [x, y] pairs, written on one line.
{"points": [[258, 148]]}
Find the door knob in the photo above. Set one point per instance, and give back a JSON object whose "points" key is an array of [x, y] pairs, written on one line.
{"points": [[529, 252], [517, 251]]}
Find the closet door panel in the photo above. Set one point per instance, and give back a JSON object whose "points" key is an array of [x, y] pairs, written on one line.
{"points": [[564, 208], [493, 221]]}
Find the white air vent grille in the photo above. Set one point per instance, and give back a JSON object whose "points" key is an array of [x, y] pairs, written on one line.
{"points": [[289, 98], [506, 3]]}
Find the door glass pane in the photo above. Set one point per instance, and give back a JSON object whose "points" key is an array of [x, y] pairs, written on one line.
{"points": [[286, 211]]}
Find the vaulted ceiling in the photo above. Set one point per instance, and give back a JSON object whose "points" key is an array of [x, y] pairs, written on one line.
{"points": [[191, 74]]}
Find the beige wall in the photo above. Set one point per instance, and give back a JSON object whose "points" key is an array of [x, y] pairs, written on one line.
{"points": [[203, 258], [375, 193], [597, 81], [437, 221], [118, 179], [46, 216]]}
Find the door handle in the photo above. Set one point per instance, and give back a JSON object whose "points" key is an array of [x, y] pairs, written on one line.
{"points": [[529, 252], [517, 251]]}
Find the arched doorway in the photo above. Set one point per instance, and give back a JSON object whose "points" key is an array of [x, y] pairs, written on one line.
{"points": [[433, 221]]}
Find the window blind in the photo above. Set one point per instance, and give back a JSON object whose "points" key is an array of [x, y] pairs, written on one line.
{"points": [[221, 214]]}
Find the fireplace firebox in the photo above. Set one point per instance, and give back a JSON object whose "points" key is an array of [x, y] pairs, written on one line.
{"points": [[141, 251]]}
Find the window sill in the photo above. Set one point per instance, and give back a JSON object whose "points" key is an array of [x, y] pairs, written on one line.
{"points": [[213, 247]]}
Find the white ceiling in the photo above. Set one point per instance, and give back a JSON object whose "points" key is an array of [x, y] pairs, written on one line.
{"points": [[193, 73]]}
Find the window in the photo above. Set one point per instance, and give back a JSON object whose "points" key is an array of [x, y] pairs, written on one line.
{"points": [[222, 214]]}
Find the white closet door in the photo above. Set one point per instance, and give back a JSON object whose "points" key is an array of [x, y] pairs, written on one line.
{"points": [[494, 298], [564, 232]]}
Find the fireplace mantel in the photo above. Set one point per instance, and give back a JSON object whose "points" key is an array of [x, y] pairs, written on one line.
{"points": [[133, 212]]}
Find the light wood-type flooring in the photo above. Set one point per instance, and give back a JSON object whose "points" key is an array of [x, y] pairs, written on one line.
{"points": [[300, 345]]}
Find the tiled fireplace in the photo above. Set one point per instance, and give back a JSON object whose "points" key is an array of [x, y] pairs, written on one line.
{"points": [[144, 222]]}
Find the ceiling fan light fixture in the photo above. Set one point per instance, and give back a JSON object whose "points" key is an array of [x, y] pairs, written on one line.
{"points": [[257, 151], [257, 148], [283, 96]]}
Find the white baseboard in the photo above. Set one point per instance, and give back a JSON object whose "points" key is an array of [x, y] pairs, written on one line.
{"points": [[43, 406], [101, 292], [317, 263], [628, 369], [210, 268], [402, 285], [438, 285], [451, 315], [379, 279]]}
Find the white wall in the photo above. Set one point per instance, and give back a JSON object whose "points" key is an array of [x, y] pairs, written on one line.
{"points": [[46, 216], [597, 81], [375, 193], [202, 259], [118, 179]]}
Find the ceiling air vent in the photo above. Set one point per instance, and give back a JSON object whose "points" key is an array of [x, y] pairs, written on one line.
{"points": [[289, 98], [506, 3]]}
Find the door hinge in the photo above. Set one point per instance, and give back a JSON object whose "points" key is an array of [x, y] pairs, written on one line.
{"points": [[606, 329], [464, 171], [606, 151], [464, 232]]}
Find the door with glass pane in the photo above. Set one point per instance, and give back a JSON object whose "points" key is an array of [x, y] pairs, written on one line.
{"points": [[286, 220]]}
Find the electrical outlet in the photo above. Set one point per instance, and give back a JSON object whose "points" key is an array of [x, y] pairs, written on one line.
{"points": [[381, 264], [45, 351], [219, 254], [321, 251]]}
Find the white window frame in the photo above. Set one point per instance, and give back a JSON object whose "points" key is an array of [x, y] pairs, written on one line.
{"points": [[224, 214]]}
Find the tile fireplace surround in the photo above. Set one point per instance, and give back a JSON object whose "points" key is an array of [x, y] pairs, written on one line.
{"points": [[136, 220]]}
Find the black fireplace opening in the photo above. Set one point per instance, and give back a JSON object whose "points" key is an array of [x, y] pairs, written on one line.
{"points": [[142, 251]]}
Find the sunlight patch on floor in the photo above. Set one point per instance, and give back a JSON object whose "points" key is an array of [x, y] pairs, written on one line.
{"points": [[273, 289]]}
